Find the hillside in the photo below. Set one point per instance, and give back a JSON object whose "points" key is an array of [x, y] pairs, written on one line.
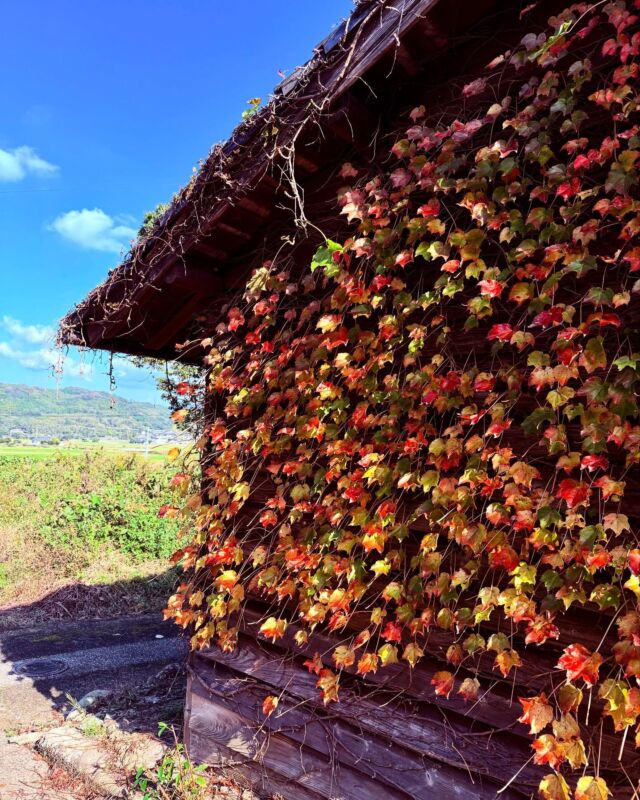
{"points": [[76, 413]]}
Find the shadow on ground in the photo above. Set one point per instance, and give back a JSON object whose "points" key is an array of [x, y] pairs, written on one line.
{"points": [[76, 600], [69, 643]]}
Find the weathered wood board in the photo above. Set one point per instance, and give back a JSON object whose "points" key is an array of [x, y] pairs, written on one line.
{"points": [[369, 746]]}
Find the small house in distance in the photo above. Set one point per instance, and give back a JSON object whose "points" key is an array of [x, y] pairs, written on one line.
{"points": [[415, 568]]}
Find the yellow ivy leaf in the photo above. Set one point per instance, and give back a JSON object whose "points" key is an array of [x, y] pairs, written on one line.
{"points": [[412, 653], [381, 567], [301, 638], [618, 523], [259, 555], [344, 656], [589, 788], [569, 697], [575, 753], [566, 728], [554, 787], [328, 684], [273, 628], [506, 660], [377, 615], [633, 584], [388, 654], [241, 491], [469, 688]]}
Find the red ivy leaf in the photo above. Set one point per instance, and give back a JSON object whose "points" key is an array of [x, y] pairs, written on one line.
{"points": [[574, 493], [502, 331], [580, 663]]}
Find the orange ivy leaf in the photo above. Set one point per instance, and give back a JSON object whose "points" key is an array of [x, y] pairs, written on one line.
{"points": [[443, 681], [269, 705], [368, 663], [268, 518], [392, 632], [328, 683], [273, 628], [537, 712], [314, 664], [610, 488], [227, 579], [548, 750]]}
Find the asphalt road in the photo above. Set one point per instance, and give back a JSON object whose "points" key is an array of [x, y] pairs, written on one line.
{"points": [[40, 666]]}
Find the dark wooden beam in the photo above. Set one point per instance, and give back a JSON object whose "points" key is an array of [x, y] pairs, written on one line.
{"points": [[353, 122], [305, 163], [129, 348], [195, 278], [206, 248], [398, 747], [232, 230], [268, 182], [406, 60], [253, 207], [183, 315], [93, 333]]}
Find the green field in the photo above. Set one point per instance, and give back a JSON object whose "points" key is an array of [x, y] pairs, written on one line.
{"points": [[75, 448], [82, 516]]}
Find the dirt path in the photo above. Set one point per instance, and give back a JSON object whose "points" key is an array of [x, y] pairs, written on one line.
{"points": [[40, 666]]}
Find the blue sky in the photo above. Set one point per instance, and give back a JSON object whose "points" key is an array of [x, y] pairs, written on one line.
{"points": [[104, 110]]}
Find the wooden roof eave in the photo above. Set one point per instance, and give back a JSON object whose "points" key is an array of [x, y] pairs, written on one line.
{"points": [[246, 191]]}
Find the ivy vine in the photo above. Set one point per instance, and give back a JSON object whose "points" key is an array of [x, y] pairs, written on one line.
{"points": [[465, 364]]}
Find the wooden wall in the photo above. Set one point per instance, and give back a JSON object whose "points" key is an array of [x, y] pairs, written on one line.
{"points": [[373, 745], [388, 737]]}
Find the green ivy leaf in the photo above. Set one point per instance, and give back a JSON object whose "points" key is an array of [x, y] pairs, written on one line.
{"points": [[324, 258]]}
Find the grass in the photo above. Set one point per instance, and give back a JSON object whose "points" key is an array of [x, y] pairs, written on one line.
{"points": [[81, 528], [78, 448]]}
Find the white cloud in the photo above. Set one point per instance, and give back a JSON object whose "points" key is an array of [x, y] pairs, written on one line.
{"points": [[16, 164], [31, 346], [46, 358], [94, 229], [33, 334]]}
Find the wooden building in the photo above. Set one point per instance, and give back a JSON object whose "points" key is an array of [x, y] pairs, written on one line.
{"points": [[270, 189]]}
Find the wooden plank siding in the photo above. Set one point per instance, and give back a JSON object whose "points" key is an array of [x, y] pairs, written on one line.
{"points": [[370, 746]]}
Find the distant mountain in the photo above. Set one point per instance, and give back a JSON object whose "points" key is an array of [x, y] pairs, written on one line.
{"points": [[75, 413]]}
